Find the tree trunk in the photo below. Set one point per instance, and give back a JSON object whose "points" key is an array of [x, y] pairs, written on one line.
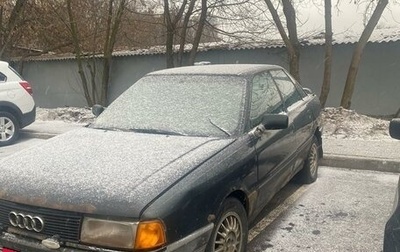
{"points": [[171, 29], [293, 59], [294, 55], [199, 32], [184, 32], [358, 51], [113, 23], [326, 85], [75, 39]]}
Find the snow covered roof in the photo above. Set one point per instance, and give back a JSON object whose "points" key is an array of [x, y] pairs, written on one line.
{"points": [[384, 35]]}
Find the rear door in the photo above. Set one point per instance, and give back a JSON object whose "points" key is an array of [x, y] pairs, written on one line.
{"points": [[12, 91]]}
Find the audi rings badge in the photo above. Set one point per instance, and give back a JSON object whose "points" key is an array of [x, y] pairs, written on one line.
{"points": [[26, 221]]}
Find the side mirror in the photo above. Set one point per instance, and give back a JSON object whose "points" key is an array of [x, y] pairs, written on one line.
{"points": [[394, 128], [275, 121], [97, 109], [270, 122]]}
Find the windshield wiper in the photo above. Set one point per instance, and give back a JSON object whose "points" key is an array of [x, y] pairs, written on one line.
{"points": [[157, 131], [219, 127], [150, 131]]}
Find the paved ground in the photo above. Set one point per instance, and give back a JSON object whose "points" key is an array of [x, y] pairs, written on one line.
{"points": [[344, 210]]}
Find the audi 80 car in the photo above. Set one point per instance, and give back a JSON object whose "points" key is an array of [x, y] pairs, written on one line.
{"points": [[181, 161]]}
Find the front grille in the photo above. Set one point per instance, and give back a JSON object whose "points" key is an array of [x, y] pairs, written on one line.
{"points": [[66, 225]]}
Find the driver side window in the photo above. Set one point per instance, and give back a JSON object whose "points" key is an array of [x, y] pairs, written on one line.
{"points": [[265, 98]]}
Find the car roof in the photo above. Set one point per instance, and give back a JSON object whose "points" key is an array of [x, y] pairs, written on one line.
{"points": [[3, 63], [217, 69]]}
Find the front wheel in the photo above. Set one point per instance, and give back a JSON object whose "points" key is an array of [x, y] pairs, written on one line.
{"points": [[309, 173], [9, 129], [231, 229]]}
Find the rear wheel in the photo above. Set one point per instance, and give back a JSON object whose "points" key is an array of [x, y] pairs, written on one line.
{"points": [[9, 128], [309, 173], [231, 228]]}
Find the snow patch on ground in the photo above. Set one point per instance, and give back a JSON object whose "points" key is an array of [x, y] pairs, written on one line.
{"points": [[347, 124], [67, 114], [339, 123]]}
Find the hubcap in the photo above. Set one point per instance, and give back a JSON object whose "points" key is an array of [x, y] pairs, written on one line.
{"points": [[313, 159], [7, 129], [229, 234]]}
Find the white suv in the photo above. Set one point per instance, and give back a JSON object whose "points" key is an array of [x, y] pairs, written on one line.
{"points": [[17, 107]]}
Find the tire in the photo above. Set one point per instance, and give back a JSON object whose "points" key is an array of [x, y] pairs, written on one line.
{"points": [[9, 129], [231, 228], [309, 173]]}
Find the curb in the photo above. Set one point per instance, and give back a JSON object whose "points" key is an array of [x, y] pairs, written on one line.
{"points": [[361, 163]]}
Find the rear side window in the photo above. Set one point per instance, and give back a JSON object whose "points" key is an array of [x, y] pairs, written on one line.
{"points": [[3, 78], [15, 72], [288, 89]]}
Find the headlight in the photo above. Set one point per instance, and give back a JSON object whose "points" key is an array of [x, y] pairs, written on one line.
{"points": [[150, 234], [123, 235]]}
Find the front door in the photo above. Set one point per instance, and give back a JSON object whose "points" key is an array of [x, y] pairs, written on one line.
{"points": [[275, 146]]}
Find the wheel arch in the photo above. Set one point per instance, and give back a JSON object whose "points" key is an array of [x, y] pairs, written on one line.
{"points": [[241, 196], [318, 135], [12, 109]]}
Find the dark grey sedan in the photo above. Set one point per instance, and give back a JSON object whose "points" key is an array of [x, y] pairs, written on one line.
{"points": [[181, 161], [391, 241]]}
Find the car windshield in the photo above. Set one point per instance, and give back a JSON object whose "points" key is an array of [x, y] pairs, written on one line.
{"points": [[199, 105]]}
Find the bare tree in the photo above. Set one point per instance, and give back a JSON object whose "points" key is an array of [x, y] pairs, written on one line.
{"points": [[184, 31], [357, 54], [291, 41], [185, 24], [328, 54], [113, 11], [113, 23], [199, 32], [7, 29], [78, 53], [171, 22]]}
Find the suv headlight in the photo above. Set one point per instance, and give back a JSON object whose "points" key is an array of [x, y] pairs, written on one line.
{"points": [[123, 235]]}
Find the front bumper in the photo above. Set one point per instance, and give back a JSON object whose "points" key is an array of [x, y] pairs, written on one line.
{"points": [[195, 242], [25, 244]]}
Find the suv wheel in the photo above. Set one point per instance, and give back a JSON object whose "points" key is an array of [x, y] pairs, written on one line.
{"points": [[9, 128]]}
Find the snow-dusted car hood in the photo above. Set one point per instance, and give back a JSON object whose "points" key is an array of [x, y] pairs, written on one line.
{"points": [[102, 172]]}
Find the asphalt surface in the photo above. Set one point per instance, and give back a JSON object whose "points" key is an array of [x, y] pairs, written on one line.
{"points": [[344, 210]]}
